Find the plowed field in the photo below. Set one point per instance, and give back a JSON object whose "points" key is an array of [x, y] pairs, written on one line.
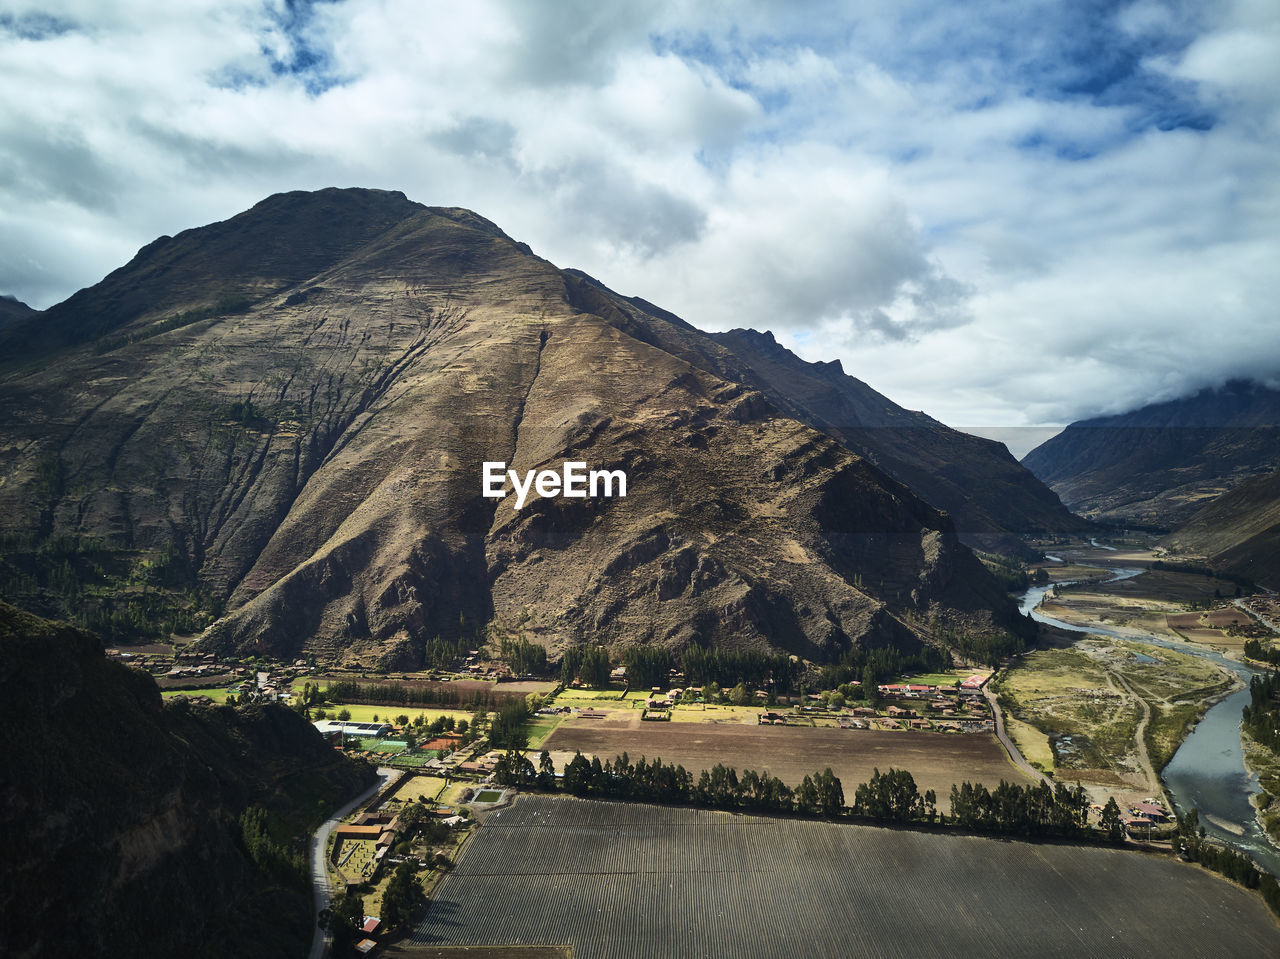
{"points": [[617, 880]]}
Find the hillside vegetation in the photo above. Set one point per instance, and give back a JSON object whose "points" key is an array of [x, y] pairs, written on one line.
{"points": [[133, 826]]}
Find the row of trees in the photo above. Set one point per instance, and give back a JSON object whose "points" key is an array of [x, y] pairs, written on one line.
{"points": [[890, 797], [1255, 650], [1038, 810], [1262, 714], [872, 666], [588, 663]]}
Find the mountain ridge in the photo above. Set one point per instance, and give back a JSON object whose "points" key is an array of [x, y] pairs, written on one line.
{"points": [[1155, 466]]}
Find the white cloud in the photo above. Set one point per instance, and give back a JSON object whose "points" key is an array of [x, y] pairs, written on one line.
{"points": [[998, 214]]}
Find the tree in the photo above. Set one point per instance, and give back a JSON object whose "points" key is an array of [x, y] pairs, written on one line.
{"points": [[870, 689], [402, 719], [546, 772], [830, 793], [577, 775], [403, 896], [836, 701], [740, 695], [344, 715], [343, 920], [1111, 823]]}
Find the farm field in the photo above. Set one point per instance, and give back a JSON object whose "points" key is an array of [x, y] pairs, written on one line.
{"points": [[217, 694], [406, 950], [625, 880], [1168, 586], [387, 713], [1226, 628], [936, 760], [420, 788]]}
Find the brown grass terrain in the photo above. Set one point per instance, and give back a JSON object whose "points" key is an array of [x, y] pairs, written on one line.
{"points": [[1226, 628], [1169, 586], [936, 760]]}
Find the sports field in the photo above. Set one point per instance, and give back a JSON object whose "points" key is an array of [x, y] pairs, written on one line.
{"points": [[621, 880], [936, 760]]}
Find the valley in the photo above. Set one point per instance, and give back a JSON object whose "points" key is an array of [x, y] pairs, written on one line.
{"points": [[347, 483]]}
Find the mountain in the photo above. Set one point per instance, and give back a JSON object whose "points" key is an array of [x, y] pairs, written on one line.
{"points": [[121, 815], [12, 310], [281, 420], [991, 497], [1157, 465], [1238, 532]]}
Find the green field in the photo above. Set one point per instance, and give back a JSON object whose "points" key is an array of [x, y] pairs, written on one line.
{"points": [[217, 695], [375, 745], [540, 727], [387, 714]]}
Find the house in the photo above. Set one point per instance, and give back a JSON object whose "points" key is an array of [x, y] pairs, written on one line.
{"points": [[365, 946], [1149, 811], [896, 712], [370, 925]]}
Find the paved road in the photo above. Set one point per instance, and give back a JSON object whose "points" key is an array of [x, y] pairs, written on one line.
{"points": [[1007, 743], [1258, 616], [319, 873]]}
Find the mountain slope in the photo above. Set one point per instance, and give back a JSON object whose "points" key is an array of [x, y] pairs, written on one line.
{"points": [[992, 498], [1239, 531], [310, 460], [120, 814], [12, 310], [1157, 465]]}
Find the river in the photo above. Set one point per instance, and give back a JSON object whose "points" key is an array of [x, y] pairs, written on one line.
{"points": [[1207, 772]]}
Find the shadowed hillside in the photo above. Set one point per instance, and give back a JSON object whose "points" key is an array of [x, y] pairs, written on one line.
{"points": [[1157, 465], [1238, 532], [122, 815]]}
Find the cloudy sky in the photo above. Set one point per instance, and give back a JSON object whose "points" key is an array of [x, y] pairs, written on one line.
{"points": [[1007, 214]]}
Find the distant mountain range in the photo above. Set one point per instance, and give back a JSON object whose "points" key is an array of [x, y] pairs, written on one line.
{"points": [[1156, 466], [280, 420]]}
